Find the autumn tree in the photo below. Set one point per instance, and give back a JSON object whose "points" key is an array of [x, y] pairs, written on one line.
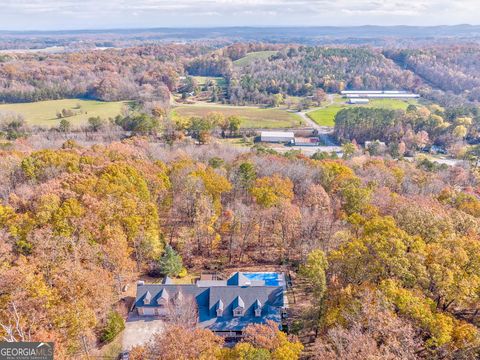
{"points": [[270, 191], [177, 342], [269, 337]]}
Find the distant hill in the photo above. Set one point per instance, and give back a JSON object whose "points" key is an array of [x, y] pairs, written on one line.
{"points": [[375, 35]]}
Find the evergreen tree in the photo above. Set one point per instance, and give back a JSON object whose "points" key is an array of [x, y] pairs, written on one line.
{"points": [[170, 263]]}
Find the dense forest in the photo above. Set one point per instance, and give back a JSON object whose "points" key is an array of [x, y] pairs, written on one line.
{"points": [[412, 129], [77, 223], [143, 73], [454, 69], [445, 74], [382, 246], [298, 71]]}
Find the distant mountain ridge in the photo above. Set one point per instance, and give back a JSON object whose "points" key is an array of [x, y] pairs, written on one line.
{"points": [[364, 30], [354, 35]]}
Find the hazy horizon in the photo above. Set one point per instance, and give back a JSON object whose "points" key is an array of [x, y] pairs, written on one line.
{"points": [[62, 15], [118, 28]]}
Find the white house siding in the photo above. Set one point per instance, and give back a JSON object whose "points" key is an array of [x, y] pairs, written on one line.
{"points": [[152, 311]]}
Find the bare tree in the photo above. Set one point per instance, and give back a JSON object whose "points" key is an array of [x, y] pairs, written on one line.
{"points": [[14, 330], [183, 310]]}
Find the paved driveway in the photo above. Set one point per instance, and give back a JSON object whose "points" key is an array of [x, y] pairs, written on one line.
{"points": [[139, 330]]}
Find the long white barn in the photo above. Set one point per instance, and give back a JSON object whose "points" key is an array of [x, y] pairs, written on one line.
{"points": [[378, 94], [277, 136]]}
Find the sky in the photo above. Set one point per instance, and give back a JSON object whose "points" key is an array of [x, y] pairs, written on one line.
{"points": [[105, 14]]}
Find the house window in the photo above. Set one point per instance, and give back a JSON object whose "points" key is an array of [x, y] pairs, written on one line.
{"points": [[219, 312], [258, 312], [237, 312]]}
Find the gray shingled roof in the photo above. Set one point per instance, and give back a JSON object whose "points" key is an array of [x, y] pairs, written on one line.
{"points": [[238, 279], [225, 297], [271, 295], [172, 290]]}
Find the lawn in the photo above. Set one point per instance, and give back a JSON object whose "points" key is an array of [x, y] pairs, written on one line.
{"points": [[250, 57], [326, 115], [43, 113], [251, 117]]}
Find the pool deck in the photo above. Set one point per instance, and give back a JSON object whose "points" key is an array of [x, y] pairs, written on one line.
{"points": [[270, 278]]}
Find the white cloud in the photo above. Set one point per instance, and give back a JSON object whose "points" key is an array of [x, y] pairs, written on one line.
{"points": [[22, 14]]}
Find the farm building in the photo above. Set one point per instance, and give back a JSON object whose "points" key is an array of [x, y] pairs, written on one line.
{"points": [[360, 92], [376, 94], [307, 141], [384, 96], [358, 101], [277, 136]]}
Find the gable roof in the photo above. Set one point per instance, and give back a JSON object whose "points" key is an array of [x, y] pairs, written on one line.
{"points": [[148, 297], [238, 303], [162, 291], [237, 292], [163, 295], [239, 279]]}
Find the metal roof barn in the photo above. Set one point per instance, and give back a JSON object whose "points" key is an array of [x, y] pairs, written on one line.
{"points": [[277, 136], [358, 101]]}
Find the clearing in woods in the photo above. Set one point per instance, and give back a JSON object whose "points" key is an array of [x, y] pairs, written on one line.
{"points": [[251, 117], [44, 113], [251, 57], [202, 80], [326, 115]]}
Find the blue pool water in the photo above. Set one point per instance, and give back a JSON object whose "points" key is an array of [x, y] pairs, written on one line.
{"points": [[270, 278]]}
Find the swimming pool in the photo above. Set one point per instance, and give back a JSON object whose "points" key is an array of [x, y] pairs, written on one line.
{"points": [[270, 278]]}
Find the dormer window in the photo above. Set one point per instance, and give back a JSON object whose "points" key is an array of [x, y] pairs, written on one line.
{"points": [[163, 298], [257, 306], [238, 306], [147, 298], [178, 299], [220, 307]]}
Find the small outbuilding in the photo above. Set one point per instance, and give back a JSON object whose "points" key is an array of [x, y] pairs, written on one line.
{"points": [[358, 101], [277, 136], [307, 141]]}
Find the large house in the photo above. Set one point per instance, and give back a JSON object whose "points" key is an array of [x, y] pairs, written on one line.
{"points": [[223, 306]]}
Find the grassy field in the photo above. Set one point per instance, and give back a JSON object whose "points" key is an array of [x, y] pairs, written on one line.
{"points": [[43, 113], [201, 80], [254, 56], [251, 117], [326, 115]]}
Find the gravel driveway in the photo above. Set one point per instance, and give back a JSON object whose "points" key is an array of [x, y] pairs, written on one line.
{"points": [[139, 330]]}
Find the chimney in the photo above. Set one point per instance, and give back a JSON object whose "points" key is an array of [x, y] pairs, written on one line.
{"points": [[140, 282]]}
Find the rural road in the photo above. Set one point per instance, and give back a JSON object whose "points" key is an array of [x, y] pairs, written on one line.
{"points": [[324, 132]]}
